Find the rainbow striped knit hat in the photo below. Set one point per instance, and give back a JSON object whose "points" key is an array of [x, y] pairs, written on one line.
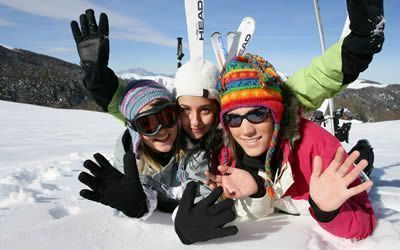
{"points": [[248, 81]]}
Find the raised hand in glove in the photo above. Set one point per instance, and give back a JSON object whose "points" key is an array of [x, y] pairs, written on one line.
{"points": [[366, 37], [92, 41], [204, 220], [112, 188], [94, 49], [367, 20]]}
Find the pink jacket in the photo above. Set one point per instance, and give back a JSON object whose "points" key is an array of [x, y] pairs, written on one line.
{"points": [[356, 218]]}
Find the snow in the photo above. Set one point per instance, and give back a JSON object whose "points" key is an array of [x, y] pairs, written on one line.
{"points": [[7, 47], [359, 84], [378, 31], [41, 155], [168, 82]]}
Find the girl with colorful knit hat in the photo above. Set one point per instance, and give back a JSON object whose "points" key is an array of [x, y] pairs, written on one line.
{"points": [[300, 167]]}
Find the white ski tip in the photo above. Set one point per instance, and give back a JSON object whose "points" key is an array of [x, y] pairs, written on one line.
{"points": [[249, 19]]}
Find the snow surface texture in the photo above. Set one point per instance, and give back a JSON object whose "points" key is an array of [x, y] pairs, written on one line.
{"points": [[41, 155]]}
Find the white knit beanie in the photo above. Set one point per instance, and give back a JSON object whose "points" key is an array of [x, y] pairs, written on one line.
{"points": [[197, 77]]}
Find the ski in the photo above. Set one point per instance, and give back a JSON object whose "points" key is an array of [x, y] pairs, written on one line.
{"points": [[194, 10], [219, 48], [323, 48], [229, 39], [244, 33], [346, 28]]}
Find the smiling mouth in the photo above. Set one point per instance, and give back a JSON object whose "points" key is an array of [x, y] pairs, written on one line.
{"points": [[251, 141]]}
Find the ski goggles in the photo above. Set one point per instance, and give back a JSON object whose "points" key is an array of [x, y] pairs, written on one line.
{"points": [[150, 122], [255, 116]]}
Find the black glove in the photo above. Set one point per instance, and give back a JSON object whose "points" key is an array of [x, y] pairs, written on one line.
{"points": [[167, 206], [204, 220], [94, 49], [92, 41], [367, 20], [366, 37], [112, 188]]}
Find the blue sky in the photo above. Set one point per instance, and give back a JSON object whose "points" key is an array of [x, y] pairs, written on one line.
{"points": [[143, 33]]}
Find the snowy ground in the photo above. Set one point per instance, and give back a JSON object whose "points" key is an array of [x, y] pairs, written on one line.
{"points": [[41, 153]]}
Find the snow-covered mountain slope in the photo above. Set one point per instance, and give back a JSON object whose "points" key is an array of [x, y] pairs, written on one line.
{"points": [[140, 73], [360, 83]]}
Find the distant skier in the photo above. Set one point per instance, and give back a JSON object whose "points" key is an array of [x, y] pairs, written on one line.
{"points": [[319, 118], [342, 131]]}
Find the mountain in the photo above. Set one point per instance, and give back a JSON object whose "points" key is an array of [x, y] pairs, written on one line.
{"points": [[140, 73], [371, 104], [32, 78], [143, 72]]}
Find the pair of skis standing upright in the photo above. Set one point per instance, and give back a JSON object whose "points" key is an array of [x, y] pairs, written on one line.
{"points": [[236, 41]]}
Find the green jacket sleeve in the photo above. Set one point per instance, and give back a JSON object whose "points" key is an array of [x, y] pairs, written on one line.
{"points": [[340, 65], [321, 80], [113, 106]]}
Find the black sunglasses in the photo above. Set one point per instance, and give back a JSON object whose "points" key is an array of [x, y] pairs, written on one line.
{"points": [[150, 122], [254, 116]]}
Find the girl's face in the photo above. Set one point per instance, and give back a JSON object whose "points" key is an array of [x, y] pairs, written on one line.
{"points": [[253, 138], [197, 115], [164, 140]]}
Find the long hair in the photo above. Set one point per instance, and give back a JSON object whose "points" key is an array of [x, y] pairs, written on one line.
{"points": [[148, 159], [234, 146]]}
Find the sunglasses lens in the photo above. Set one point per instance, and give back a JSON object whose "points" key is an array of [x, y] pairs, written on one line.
{"points": [[233, 120], [258, 115], [148, 124], [254, 116]]}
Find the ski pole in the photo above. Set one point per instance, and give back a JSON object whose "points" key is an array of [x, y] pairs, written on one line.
{"points": [[323, 48], [179, 52]]}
